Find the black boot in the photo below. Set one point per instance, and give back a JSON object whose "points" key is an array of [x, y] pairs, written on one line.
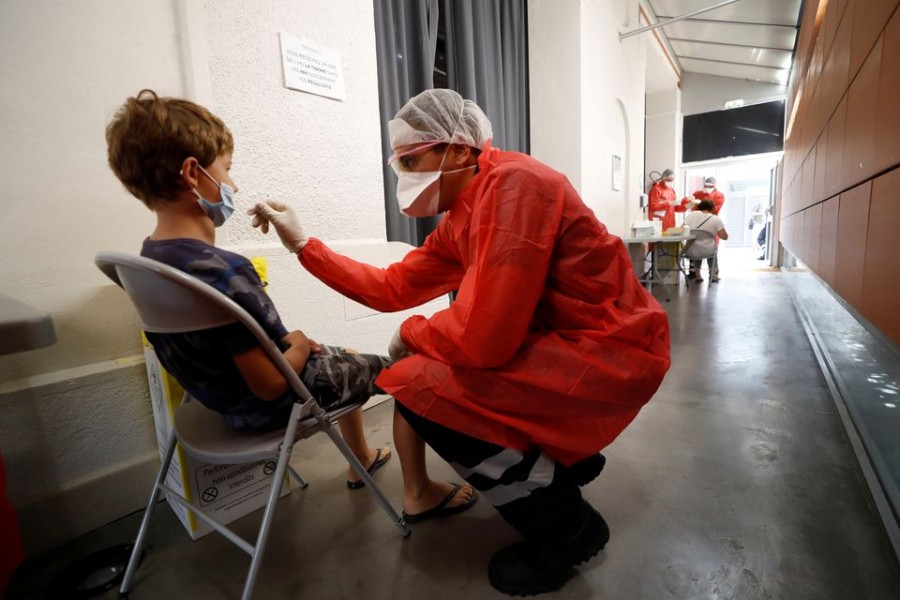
{"points": [[536, 566], [586, 470]]}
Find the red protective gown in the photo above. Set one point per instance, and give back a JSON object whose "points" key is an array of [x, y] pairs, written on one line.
{"points": [[659, 207], [716, 196], [551, 339]]}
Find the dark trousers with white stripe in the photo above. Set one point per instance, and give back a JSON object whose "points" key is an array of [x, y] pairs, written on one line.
{"points": [[535, 494]]}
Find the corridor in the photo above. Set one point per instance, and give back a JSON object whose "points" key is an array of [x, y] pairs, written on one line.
{"points": [[737, 481]]}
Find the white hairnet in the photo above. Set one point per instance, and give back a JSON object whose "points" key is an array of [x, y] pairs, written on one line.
{"points": [[440, 116]]}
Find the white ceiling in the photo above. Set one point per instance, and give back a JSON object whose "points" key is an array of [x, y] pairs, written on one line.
{"points": [[749, 39]]}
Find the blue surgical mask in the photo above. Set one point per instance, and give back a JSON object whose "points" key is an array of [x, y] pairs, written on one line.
{"points": [[220, 211]]}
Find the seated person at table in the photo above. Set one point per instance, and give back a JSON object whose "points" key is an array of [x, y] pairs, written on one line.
{"points": [[175, 157], [703, 219]]}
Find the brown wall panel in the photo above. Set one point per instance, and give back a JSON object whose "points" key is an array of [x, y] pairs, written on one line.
{"points": [[802, 233], [887, 139], [853, 223], [828, 240], [830, 24], [821, 167], [869, 18], [834, 155], [862, 122], [809, 180], [834, 77], [814, 233], [879, 288]]}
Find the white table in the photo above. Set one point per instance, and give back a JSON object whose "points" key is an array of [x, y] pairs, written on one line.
{"points": [[651, 275]]}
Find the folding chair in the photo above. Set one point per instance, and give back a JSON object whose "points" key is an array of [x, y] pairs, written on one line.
{"points": [[169, 301], [694, 251]]}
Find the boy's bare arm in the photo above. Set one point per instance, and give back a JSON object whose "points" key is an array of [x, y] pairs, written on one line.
{"points": [[260, 373]]}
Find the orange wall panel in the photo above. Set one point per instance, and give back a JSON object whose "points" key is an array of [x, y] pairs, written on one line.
{"points": [[887, 138], [879, 291], [809, 180], [853, 224], [828, 240], [862, 122], [821, 167], [869, 19], [835, 153], [814, 233], [834, 76]]}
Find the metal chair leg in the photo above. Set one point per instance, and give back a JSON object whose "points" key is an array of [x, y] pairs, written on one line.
{"points": [[367, 479], [148, 513], [299, 478], [284, 456]]}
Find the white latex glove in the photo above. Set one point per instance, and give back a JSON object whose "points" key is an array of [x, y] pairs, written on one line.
{"points": [[284, 219], [397, 349]]}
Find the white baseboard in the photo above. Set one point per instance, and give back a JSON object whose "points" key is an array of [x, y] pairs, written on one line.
{"points": [[87, 505], [94, 502]]}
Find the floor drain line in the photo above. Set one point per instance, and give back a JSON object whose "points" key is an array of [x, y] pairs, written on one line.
{"points": [[837, 388]]}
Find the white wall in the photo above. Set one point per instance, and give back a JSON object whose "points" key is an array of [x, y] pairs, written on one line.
{"points": [[555, 90], [663, 135], [576, 128], [74, 418], [706, 93]]}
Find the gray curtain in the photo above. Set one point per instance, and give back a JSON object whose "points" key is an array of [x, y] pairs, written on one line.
{"points": [[487, 61], [405, 41]]}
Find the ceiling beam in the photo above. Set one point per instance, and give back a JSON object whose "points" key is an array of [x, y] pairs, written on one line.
{"points": [[755, 46], [724, 22], [687, 15]]}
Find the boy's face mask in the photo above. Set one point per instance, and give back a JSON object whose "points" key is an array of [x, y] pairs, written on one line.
{"points": [[220, 211]]}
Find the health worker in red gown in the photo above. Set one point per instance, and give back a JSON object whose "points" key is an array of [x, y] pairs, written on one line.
{"points": [[709, 192], [661, 203], [548, 352]]}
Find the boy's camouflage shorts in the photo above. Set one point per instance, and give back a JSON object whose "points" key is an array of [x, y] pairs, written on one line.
{"points": [[335, 376]]}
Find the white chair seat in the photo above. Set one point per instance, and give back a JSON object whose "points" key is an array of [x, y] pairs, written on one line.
{"points": [[204, 434]]}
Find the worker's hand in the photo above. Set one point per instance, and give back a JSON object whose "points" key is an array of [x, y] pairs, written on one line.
{"points": [[284, 219], [397, 349]]}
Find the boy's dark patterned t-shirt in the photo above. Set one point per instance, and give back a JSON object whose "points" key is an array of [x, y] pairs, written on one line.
{"points": [[202, 360]]}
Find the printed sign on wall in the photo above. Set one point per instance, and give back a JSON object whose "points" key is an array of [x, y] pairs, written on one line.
{"points": [[311, 67]]}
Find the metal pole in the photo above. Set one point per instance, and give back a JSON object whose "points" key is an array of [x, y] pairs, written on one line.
{"points": [[693, 13]]}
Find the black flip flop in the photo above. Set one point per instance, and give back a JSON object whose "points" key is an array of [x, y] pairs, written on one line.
{"points": [[376, 464], [441, 510]]}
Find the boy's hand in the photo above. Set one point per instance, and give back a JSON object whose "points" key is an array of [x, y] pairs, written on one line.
{"points": [[314, 347], [297, 338], [287, 224]]}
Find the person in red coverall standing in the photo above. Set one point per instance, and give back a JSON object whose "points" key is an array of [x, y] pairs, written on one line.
{"points": [[709, 192], [661, 202], [548, 352]]}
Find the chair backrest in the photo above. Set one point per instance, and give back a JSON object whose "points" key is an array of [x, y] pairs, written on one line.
{"points": [[171, 301], [702, 246]]}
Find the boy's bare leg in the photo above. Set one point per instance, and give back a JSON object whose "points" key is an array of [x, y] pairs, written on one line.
{"points": [[351, 426], [419, 492]]}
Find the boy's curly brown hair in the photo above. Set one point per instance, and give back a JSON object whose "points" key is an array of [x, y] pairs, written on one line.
{"points": [[150, 137]]}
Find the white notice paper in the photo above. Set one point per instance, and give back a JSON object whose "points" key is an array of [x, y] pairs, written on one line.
{"points": [[311, 67]]}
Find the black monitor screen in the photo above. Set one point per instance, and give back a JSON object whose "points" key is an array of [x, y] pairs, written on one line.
{"points": [[755, 129]]}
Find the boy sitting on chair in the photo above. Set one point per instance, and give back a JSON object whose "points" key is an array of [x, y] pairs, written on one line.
{"points": [[175, 157]]}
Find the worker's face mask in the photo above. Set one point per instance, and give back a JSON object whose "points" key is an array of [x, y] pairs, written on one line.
{"points": [[419, 192], [220, 211], [708, 188]]}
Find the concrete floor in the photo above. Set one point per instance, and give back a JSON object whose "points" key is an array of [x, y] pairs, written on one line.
{"points": [[735, 482]]}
